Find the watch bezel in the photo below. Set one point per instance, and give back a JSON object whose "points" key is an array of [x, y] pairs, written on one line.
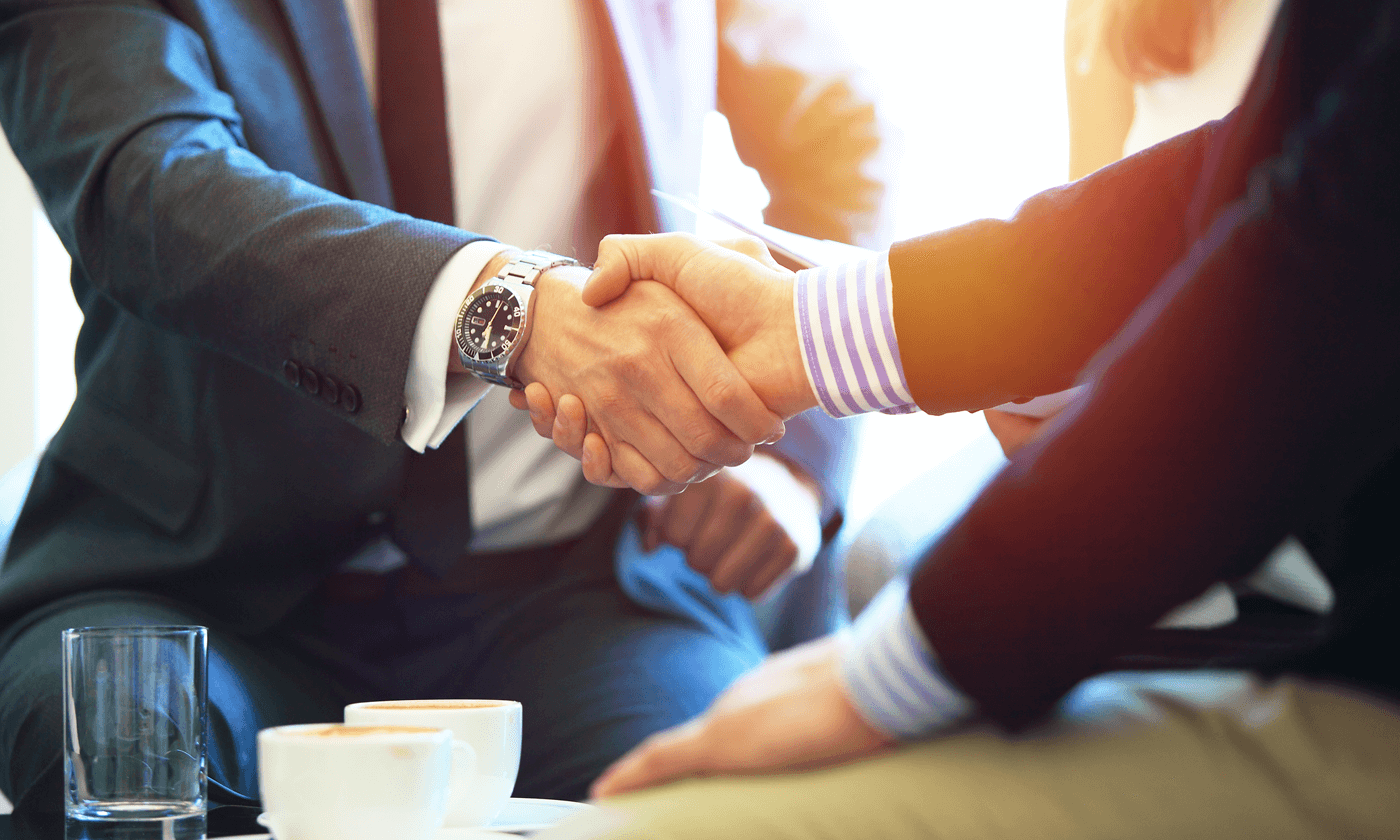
{"points": [[517, 278], [460, 333]]}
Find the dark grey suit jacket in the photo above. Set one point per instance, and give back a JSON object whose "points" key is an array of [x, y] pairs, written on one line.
{"points": [[214, 169]]}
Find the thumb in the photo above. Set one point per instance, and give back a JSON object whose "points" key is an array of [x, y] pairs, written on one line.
{"points": [[623, 258], [612, 273]]}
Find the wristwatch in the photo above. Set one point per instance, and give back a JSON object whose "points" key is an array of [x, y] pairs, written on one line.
{"points": [[494, 321]]}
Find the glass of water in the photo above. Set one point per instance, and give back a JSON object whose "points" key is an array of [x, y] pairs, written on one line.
{"points": [[134, 720]]}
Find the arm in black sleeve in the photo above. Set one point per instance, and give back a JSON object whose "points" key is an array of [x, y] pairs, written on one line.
{"points": [[1259, 383]]}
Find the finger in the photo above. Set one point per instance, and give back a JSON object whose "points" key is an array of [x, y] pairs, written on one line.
{"points": [[517, 400], [726, 396], [670, 427], [570, 425], [663, 757], [750, 246], [782, 556], [639, 473], [744, 556], [652, 442], [541, 406], [597, 462], [725, 520], [1012, 431], [681, 519]]}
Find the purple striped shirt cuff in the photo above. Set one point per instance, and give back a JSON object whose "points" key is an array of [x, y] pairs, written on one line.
{"points": [[891, 673], [845, 325]]}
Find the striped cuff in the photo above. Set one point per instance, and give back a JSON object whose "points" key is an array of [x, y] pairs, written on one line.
{"points": [[845, 320], [891, 673]]}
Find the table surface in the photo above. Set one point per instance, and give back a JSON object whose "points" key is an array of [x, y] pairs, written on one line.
{"points": [[224, 821]]}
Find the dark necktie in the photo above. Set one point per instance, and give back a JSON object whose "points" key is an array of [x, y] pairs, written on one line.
{"points": [[432, 521]]}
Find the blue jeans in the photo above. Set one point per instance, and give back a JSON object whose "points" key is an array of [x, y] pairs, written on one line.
{"points": [[596, 670]]}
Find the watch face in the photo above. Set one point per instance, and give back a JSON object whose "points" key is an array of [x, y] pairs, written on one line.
{"points": [[490, 324]]}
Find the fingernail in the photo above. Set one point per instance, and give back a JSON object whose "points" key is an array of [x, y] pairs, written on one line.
{"points": [[777, 434], [562, 420]]}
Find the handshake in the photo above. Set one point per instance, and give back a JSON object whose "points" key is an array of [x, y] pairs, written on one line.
{"points": [[674, 358]]}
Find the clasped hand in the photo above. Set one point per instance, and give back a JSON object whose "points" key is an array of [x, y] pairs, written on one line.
{"points": [[668, 405], [744, 300]]}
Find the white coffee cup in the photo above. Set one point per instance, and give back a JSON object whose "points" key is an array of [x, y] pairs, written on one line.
{"points": [[487, 729], [325, 781]]}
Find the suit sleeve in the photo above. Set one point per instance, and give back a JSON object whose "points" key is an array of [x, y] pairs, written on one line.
{"points": [[141, 163], [999, 310], [802, 114], [1257, 384]]}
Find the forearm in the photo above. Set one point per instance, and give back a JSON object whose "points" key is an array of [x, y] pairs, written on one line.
{"points": [[997, 310]]}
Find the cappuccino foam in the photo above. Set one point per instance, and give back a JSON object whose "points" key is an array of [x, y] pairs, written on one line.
{"points": [[413, 705], [339, 731]]}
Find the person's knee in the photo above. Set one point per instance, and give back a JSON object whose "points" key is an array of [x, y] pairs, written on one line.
{"points": [[31, 690], [31, 749]]}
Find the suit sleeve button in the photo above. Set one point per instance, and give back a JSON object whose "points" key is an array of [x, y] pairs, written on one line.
{"points": [[330, 390], [291, 371], [310, 382], [350, 398]]}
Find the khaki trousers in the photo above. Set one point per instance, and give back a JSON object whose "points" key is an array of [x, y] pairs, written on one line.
{"points": [[1140, 757]]}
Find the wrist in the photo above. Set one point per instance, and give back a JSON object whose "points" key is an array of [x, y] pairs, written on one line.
{"points": [[495, 320], [554, 290], [792, 391], [845, 323]]}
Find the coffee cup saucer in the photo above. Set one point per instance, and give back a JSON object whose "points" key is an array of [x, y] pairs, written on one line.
{"points": [[520, 815]]}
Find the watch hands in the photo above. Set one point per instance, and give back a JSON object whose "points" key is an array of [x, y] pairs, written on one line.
{"points": [[486, 336]]}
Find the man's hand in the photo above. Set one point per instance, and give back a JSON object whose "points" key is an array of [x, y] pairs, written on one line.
{"points": [[1012, 431], [741, 529], [743, 296], [744, 529], [667, 403], [789, 713], [737, 290]]}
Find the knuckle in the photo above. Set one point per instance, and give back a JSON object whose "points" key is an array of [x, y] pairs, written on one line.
{"points": [[633, 366], [669, 321], [724, 396], [708, 441], [610, 401], [681, 468]]}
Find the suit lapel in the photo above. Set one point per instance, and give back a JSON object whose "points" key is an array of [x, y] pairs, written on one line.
{"points": [[322, 34]]}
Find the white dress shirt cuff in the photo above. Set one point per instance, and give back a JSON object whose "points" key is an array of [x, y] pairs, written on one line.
{"points": [[437, 400], [891, 673]]}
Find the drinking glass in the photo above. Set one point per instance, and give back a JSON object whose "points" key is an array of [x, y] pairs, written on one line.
{"points": [[134, 719]]}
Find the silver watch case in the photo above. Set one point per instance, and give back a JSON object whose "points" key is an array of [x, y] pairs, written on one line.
{"points": [[515, 280]]}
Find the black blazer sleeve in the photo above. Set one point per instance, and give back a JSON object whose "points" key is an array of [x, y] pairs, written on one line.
{"points": [[1257, 384]]}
